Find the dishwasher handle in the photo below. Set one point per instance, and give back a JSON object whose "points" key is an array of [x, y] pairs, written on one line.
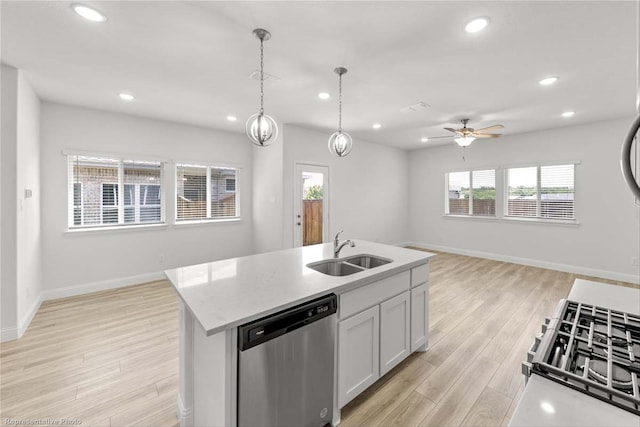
{"points": [[273, 326]]}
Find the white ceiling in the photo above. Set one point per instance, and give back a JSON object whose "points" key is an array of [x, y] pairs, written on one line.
{"points": [[189, 62]]}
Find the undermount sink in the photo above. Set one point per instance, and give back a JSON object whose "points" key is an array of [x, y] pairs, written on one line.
{"points": [[335, 267], [347, 266], [368, 261]]}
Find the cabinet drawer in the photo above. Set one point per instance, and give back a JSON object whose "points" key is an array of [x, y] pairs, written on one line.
{"points": [[355, 301], [419, 275]]}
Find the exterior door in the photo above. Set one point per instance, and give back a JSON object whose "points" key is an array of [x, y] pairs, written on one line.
{"points": [[311, 204]]}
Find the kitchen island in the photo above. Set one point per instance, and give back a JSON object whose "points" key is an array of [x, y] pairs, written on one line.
{"points": [[381, 310]]}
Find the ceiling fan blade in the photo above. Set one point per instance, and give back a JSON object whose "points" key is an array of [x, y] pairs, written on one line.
{"points": [[486, 135], [494, 127], [436, 137], [453, 130]]}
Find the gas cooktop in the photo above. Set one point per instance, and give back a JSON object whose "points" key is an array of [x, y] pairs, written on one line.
{"points": [[591, 349]]}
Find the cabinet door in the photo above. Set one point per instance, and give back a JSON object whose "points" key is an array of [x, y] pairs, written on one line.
{"points": [[395, 326], [419, 318], [358, 357]]}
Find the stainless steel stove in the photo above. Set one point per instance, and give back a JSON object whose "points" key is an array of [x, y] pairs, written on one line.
{"points": [[591, 349]]}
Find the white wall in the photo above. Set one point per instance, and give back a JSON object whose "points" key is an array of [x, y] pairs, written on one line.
{"points": [[369, 188], [20, 266], [8, 195], [267, 196], [29, 272], [602, 245], [84, 261]]}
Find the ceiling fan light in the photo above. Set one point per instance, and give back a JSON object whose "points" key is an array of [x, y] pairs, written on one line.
{"points": [[464, 141]]}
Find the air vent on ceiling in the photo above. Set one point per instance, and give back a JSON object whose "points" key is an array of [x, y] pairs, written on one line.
{"points": [[255, 75], [420, 106]]}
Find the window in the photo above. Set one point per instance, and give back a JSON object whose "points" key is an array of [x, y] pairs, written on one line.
{"points": [[540, 192], [206, 192], [471, 193], [111, 191], [230, 185], [77, 203]]}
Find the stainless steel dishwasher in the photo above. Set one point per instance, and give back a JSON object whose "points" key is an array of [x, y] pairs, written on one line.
{"points": [[286, 367]]}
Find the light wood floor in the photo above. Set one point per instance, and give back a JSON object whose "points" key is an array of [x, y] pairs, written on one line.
{"points": [[111, 358]]}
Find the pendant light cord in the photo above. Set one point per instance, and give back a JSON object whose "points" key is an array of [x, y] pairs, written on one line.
{"points": [[340, 103], [261, 76]]}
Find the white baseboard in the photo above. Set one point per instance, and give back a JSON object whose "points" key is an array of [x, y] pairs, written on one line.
{"points": [[104, 285], [185, 416], [15, 332], [28, 317], [567, 268], [8, 334]]}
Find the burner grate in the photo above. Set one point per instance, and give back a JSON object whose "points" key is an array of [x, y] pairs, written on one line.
{"points": [[594, 350]]}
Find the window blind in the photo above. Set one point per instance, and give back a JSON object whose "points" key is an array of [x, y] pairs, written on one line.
{"points": [[541, 192], [483, 192], [458, 193], [557, 191], [471, 193], [205, 192], [110, 191], [522, 192]]}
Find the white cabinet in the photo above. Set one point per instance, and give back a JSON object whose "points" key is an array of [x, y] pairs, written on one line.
{"points": [[358, 354], [395, 326], [380, 325], [419, 318]]}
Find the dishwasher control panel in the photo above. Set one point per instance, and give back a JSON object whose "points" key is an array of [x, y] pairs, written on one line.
{"points": [[267, 328]]}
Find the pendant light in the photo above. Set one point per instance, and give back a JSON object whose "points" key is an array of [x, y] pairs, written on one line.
{"points": [[340, 142], [261, 129]]}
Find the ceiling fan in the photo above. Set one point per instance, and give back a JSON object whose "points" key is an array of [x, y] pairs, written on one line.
{"points": [[465, 136]]}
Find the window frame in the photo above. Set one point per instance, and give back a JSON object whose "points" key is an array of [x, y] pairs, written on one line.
{"points": [[538, 218], [470, 214], [208, 211], [120, 161]]}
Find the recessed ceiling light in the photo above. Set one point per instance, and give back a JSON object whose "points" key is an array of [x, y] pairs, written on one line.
{"points": [[88, 13], [476, 25], [376, 126], [425, 139], [324, 95], [548, 81], [568, 113], [232, 118], [126, 96], [547, 407]]}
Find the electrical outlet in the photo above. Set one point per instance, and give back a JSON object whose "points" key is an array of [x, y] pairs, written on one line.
{"points": [[635, 261], [161, 258]]}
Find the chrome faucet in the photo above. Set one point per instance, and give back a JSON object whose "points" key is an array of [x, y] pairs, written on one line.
{"points": [[337, 246]]}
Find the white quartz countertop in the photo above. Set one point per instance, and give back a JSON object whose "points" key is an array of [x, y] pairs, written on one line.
{"points": [[225, 294], [547, 403]]}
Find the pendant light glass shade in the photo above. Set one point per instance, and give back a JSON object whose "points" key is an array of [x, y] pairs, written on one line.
{"points": [[340, 143], [261, 129], [464, 141]]}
